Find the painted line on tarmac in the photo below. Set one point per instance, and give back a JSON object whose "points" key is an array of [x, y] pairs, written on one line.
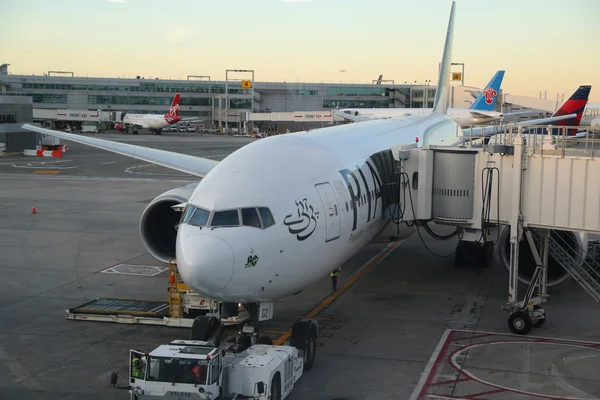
{"points": [[375, 260], [91, 178]]}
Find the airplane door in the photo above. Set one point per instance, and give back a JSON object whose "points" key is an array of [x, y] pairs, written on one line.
{"points": [[332, 211]]}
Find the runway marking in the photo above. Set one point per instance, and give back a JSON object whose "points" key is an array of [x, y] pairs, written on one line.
{"points": [[132, 269], [38, 165], [92, 178], [130, 170], [273, 331], [351, 281], [47, 171], [108, 162], [323, 318], [451, 353]]}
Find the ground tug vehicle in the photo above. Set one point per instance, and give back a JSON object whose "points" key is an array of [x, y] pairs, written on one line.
{"points": [[196, 369]]}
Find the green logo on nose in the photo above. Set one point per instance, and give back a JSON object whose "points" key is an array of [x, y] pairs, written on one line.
{"points": [[252, 259]]}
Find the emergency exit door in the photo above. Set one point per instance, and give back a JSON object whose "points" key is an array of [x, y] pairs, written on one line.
{"points": [[332, 215]]}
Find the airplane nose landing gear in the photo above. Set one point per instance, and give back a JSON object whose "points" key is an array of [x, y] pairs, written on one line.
{"points": [[210, 328]]}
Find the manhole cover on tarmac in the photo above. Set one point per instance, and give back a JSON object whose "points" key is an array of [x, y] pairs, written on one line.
{"points": [[130, 269]]}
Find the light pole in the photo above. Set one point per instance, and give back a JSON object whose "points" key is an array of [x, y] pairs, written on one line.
{"points": [[227, 71]]}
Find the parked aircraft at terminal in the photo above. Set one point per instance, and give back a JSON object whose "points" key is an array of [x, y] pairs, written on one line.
{"points": [[481, 111], [569, 114], [281, 213], [154, 122], [591, 116]]}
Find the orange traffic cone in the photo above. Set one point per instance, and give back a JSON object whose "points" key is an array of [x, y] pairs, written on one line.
{"points": [[33, 210]]}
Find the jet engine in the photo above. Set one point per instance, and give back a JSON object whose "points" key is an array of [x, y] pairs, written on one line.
{"points": [[575, 244], [158, 224]]}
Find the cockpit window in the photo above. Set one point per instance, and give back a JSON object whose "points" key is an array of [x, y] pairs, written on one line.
{"points": [[187, 213], [225, 218], [200, 217], [250, 217], [266, 216]]}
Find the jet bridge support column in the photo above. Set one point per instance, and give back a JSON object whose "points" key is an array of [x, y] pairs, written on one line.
{"points": [[527, 313], [516, 219]]}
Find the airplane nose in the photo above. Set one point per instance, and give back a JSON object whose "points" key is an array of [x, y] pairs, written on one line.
{"points": [[204, 261]]}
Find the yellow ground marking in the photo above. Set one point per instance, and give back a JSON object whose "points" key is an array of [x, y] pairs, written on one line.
{"points": [[359, 274]]}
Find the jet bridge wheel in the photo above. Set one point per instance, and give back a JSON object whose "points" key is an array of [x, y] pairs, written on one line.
{"points": [[520, 322], [540, 321]]}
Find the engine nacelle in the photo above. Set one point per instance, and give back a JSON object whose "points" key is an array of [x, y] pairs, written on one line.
{"points": [[576, 244], [158, 224]]}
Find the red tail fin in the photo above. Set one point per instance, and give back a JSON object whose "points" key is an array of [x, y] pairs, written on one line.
{"points": [[575, 105], [174, 110], [172, 116]]}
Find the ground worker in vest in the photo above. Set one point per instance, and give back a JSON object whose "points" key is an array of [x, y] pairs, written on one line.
{"points": [[137, 369], [334, 278]]}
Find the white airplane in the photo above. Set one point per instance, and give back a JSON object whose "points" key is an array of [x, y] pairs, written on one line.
{"points": [[569, 114], [591, 116], [154, 122], [281, 213], [480, 112]]}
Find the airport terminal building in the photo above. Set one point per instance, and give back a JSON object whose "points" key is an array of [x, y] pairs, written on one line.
{"points": [[231, 103]]}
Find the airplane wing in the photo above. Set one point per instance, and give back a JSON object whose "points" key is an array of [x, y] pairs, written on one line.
{"points": [[191, 119], [543, 121], [354, 118], [196, 166], [511, 114], [480, 113], [358, 118]]}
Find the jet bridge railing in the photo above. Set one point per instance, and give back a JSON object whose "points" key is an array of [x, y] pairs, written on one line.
{"points": [[540, 139]]}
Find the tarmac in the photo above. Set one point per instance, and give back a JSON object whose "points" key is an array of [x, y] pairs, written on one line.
{"points": [[404, 324]]}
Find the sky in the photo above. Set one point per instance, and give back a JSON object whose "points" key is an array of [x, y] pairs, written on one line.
{"points": [[552, 46]]}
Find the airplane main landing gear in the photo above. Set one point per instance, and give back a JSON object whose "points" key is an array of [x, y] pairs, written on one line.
{"points": [[209, 328]]}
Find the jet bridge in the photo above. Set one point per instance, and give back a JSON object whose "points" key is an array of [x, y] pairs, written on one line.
{"points": [[529, 197]]}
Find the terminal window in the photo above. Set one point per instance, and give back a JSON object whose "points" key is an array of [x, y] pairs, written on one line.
{"points": [[8, 117]]}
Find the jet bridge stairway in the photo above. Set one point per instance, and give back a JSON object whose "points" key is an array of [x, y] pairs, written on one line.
{"points": [[587, 273]]}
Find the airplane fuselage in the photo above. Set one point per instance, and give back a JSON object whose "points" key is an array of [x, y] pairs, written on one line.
{"points": [[325, 191], [149, 121], [462, 116], [591, 116]]}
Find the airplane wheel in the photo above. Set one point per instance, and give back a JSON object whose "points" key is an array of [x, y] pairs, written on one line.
{"points": [[243, 343], [520, 322], [203, 328], [265, 340]]}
